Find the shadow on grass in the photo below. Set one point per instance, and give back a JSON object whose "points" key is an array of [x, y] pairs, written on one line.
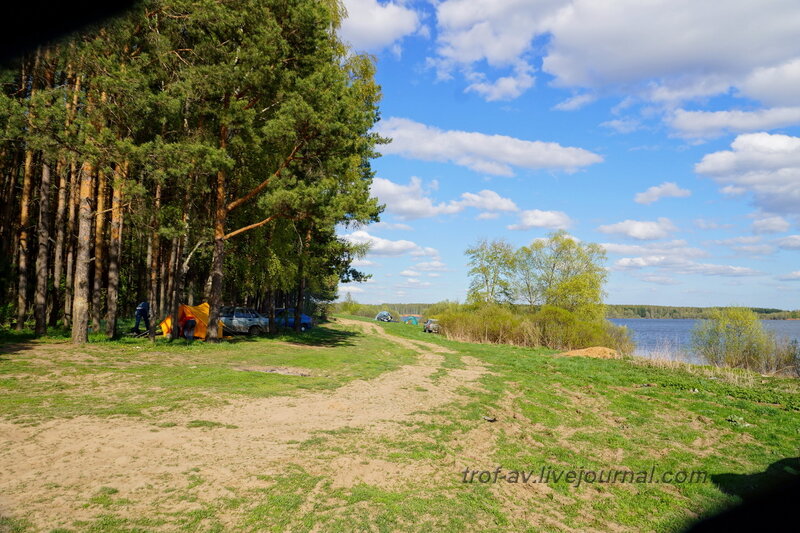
{"points": [[769, 499], [318, 336], [749, 486]]}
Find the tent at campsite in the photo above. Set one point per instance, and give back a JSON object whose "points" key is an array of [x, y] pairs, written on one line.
{"points": [[411, 319], [200, 312]]}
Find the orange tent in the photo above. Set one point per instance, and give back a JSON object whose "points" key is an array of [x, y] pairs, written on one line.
{"points": [[200, 312]]}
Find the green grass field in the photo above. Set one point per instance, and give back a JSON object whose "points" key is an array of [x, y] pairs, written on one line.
{"points": [[552, 412]]}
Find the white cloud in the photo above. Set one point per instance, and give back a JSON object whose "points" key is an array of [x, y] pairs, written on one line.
{"points": [[391, 225], [792, 276], [373, 26], [777, 85], [680, 265], [641, 229], [755, 249], [792, 242], [622, 125], [676, 248], [413, 283], [362, 263], [379, 246], [349, 287], [620, 44], [409, 273], [426, 251], [658, 280], [535, 218], [703, 223], [575, 102], [707, 124], [770, 224], [762, 164], [487, 216], [431, 266], [489, 154], [409, 201], [504, 88], [488, 201], [667, 189]]}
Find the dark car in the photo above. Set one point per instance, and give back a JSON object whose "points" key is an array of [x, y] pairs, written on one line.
{"points": [[431, 326], [285, 319]]}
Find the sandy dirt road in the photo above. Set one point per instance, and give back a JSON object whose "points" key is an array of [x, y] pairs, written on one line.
{"points": [[48, 472]]}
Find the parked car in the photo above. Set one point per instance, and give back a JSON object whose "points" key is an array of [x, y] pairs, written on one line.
{"points": [[285, 319], [243, 320], [431, 326]]}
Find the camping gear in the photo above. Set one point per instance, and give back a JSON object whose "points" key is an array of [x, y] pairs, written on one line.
{"points": [[200, 313], [383, 316], [411, 319]]}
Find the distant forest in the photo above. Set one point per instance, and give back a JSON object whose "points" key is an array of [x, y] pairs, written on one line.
{"points": [[612, 311], [664, 311]]}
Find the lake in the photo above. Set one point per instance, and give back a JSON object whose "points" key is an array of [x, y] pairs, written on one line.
{"points": [[670, 337]]}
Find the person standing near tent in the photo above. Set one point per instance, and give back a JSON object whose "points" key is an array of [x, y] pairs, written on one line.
{"points": [[187, 324], [142, 313]]}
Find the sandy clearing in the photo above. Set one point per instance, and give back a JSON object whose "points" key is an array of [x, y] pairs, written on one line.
{"points": [[50, 471]]}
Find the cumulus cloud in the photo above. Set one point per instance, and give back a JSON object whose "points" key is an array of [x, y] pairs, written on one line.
{"points": [[362, 263], [767, 166], [488, 201], [792, 242], [425, 251], [379, 246], [676, 248], [667, 189], [373, 26], [777, 85], [409, 273], [770, 224], [535, 218], [792, 276], [575, 102], [391, 225], [622, 125], [431, 266], [349, 287], [489, 154], [409, 201], [681, 265], [703, 223], [503, 88], [644, 230], [708, 124], [620, 44]]}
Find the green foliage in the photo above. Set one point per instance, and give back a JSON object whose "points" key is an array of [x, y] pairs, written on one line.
{"points": [[734, 337], [490, 266], [562, 272], [551, 326], [662, 311]]}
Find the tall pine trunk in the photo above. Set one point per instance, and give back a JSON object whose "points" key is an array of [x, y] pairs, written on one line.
{"points": [[80, 300], [42, 271], [218, 256], [70, 243], [24, 223], [114, 249], [152, 287], [58, 250], [99, 250]]}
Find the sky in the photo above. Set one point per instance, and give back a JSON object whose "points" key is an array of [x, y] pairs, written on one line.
{"points": [[668, 131]]}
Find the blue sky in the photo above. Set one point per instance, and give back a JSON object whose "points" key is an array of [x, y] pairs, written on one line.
{"points": [[668, 131]]}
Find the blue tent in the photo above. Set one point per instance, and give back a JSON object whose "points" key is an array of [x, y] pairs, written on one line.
{"points": [[383, 316], [410, 319]]}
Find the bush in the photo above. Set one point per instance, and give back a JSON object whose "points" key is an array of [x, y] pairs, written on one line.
{"points": [[552, 327], [734, 337]]}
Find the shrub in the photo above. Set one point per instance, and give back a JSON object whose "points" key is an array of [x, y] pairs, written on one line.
{"points": [[734, 337]]}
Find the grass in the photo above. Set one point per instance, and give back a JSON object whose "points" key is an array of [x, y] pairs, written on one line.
{"points": [[49, 378], [740, 428]]}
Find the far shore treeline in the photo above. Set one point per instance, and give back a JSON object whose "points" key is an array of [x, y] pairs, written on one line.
{"points": [[612, 311]]}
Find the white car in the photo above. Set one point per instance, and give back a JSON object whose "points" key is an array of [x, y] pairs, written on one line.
{"points": [[243, 320]]}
